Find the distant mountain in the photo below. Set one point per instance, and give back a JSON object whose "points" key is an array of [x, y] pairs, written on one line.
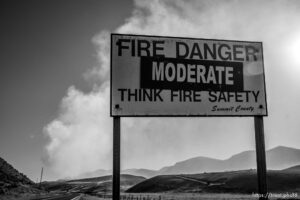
{"points": [[193, 165], [10, 178], [147, 173], [125, 179], [282, 157], [277, 159], [97, 173], [244, 181]]}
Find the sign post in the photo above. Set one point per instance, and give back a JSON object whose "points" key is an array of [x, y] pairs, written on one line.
{"points": [[260, 157], [156, 76], [116, 158]]}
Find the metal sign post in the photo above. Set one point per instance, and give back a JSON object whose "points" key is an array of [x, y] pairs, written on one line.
{"points": [[260, 157], [116, 158]]}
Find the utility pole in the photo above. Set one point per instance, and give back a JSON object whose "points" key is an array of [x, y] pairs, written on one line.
{"points": [[41, 176]]}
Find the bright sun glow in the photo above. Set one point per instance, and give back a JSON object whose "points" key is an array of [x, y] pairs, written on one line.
{"points": [[293, 50]]}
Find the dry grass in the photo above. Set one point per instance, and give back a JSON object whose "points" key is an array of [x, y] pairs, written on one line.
{"points": [[186, 196]]}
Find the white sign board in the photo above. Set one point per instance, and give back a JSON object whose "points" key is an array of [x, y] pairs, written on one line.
{"points": [[168, 76]]}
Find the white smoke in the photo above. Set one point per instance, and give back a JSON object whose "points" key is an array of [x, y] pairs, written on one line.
{"points": [[81, 136], [100, 73]]}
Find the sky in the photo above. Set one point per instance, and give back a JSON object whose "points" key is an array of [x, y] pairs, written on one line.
{"points": [[54, 83]]}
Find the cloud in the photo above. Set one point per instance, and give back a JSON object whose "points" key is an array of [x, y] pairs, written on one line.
{"points": [[100, 74], [80, 137]]}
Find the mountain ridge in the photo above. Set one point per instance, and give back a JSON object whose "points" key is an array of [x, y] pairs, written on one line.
{"points": [[277, 158]]}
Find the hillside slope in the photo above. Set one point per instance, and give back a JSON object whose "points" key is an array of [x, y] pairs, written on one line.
{"points": [[94, 185], [12, 181], [244, 181], [8, 174], [294, 169]]}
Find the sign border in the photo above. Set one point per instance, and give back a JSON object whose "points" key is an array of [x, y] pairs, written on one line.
{"points": [[182, 115]]}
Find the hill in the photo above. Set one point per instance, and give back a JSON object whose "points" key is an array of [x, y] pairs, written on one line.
{"points": [[101, 172], [8, 174], [147, 173], [277, 158], [96, 185], [126, 180], [96, 173], [12, 182], [244, 181], [294, 169]]}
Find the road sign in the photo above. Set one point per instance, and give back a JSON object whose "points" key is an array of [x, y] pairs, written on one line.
{"points": [[168, 76]]}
